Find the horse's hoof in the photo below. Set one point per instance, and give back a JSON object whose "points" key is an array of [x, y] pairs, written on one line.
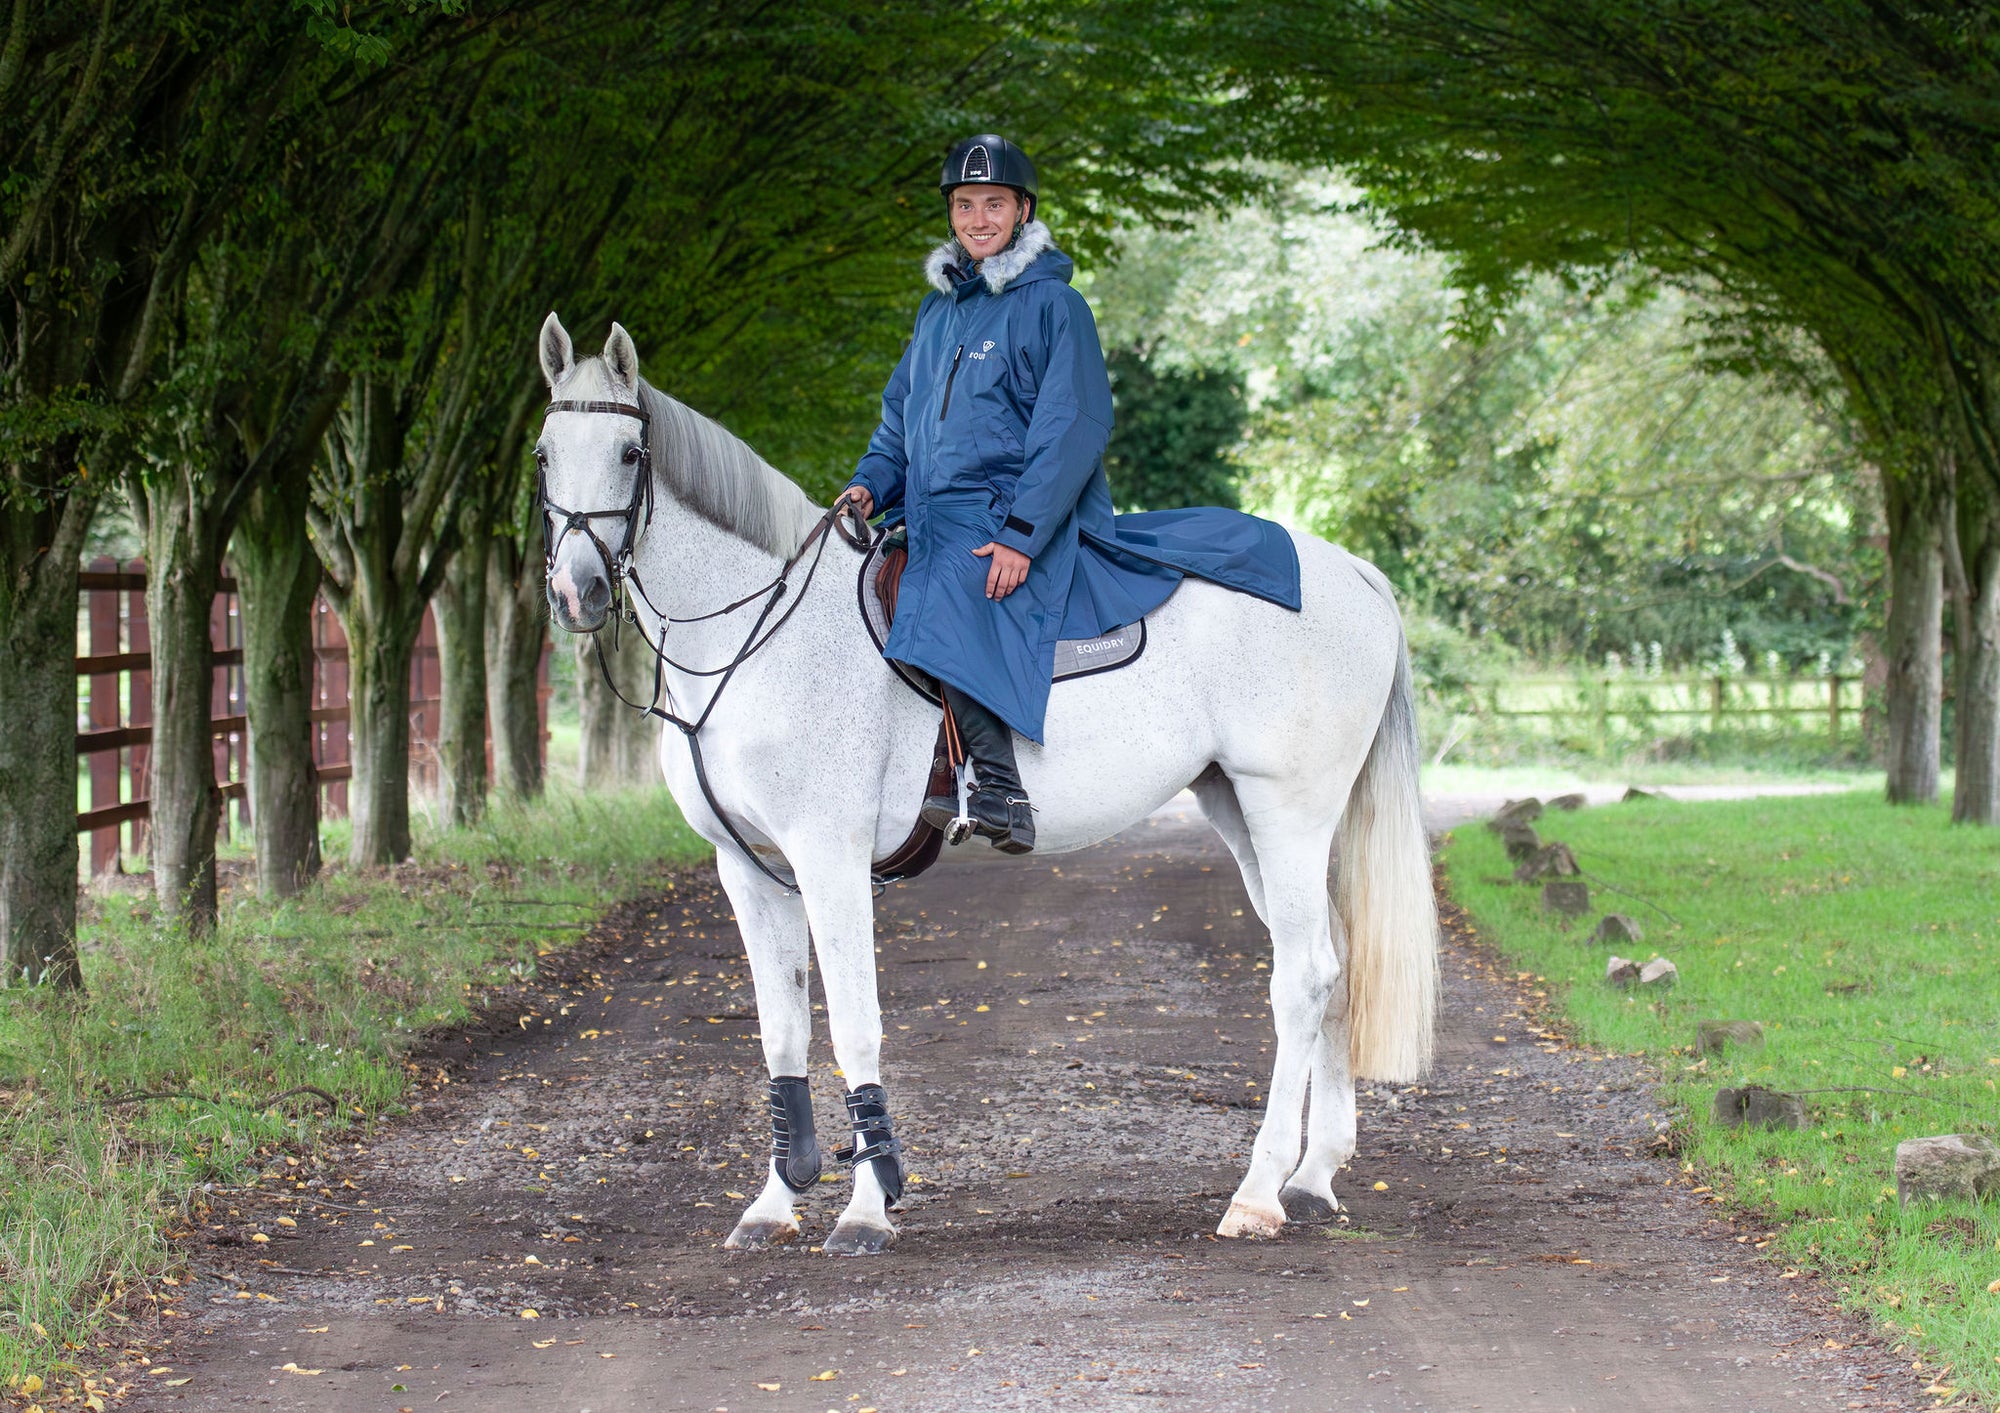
{"points": [[1250, 1219], [859, 1239], [1307, 1207], [760, 1236]]}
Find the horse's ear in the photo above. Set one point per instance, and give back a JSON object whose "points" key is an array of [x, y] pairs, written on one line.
{"points": [[622, 359], [558, 358]]}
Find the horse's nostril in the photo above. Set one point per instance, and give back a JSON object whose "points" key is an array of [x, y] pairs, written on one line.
{"points": [[596, 596]]}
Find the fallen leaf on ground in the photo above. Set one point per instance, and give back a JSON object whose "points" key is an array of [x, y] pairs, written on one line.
{"points": [[821, 1378], [291, 1368]]}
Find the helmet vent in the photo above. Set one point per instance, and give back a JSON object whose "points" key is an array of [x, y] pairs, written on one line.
{"points": [[978, 166]]}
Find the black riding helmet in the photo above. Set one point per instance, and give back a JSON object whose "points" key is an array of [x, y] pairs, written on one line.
{"points": [[990, 160]]}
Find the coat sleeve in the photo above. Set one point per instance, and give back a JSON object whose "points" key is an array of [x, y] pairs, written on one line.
{"points": [[883, 467], [1067, 433]]}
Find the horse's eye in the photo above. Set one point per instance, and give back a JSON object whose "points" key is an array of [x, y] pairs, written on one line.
{"points": [[541, 458], [631, 456]]}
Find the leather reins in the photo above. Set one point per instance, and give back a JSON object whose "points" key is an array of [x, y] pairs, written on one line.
{"points": [[853, 528]]}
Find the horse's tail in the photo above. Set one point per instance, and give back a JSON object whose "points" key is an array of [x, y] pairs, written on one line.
{"points": [[1383, 892]]}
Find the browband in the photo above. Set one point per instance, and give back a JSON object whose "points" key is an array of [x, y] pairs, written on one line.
{"points": [[623, 407]]}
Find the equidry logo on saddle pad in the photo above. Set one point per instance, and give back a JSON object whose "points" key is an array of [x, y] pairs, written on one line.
{"points": [[982, 350]]}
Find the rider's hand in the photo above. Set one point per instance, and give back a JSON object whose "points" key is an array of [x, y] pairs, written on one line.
{"points": [[862, 497], [1009, 568]]}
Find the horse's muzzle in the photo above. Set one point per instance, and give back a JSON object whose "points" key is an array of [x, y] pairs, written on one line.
{"points": [[579, 603]]}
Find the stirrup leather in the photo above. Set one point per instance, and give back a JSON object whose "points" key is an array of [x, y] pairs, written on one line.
{"points": [[875, 1139], [795, 1153]]}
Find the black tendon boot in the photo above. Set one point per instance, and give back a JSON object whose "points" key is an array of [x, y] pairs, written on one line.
{"points": [[875, 1139], [998, 804], [794, 1149]]}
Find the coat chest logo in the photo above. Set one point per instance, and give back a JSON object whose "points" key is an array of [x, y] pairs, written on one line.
{"points": [[981, 351]]}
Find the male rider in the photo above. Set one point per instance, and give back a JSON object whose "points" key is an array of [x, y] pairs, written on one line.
{"points": [[991, 447]]}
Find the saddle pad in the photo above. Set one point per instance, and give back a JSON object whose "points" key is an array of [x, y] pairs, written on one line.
{"points": [[1075, 657]]}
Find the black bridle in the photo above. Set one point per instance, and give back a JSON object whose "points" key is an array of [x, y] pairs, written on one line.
{"points": [[637, 514], [617, 567]]}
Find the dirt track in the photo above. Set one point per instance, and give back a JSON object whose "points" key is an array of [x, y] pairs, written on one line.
{"points": [[1078, 1111]]}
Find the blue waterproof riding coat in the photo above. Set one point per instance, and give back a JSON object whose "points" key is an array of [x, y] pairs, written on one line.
{"points": [[993, 429]]}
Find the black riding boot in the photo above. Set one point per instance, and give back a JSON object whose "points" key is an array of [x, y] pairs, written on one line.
{"points": [[998, 804]]}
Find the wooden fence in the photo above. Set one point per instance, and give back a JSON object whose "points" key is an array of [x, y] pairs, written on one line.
{"points": [[1712, 702], [114, 731]]}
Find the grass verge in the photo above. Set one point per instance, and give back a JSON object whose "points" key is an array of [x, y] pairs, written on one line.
{"points": [[332, 989], [1866, 939]]}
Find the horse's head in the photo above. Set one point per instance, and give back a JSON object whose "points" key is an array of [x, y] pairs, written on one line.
{"points": [[593, 473]]}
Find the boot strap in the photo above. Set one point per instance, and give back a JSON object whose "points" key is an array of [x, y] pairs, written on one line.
{"points": [[875, 1140]]}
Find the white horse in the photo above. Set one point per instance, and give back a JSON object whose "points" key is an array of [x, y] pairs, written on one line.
{"points": [[1292, 729]]}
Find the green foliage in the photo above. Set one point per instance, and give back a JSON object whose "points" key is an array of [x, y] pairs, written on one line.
{"points": [[1861, 934], [1579, 478], [1828, 170], [1175, 431], [333, 988]]}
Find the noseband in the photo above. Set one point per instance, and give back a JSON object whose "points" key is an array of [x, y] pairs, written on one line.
{"points": [[637, 513]]}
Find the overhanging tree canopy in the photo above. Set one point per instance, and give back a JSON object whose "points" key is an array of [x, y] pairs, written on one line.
{"points": [[1832, 168]]}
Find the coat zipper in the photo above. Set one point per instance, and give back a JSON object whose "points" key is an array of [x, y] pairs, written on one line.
{"points": [[950, 378]]}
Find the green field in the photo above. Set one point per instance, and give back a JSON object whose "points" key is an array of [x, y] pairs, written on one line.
{"points": [[333, 989], [1867, 939]]}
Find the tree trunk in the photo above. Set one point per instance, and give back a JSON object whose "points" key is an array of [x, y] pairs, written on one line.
{"points": [[277, 574], [378, 795], [460, 611], [181, 571], [1972, 563], [516, 629], [618, 742], [1912, 642], [38, 850]]}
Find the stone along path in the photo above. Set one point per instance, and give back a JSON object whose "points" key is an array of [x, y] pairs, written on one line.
{"points": [[1077, 1047]]}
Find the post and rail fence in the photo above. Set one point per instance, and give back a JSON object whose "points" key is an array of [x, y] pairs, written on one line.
{"points": [[114, 732], [1774, 702]]}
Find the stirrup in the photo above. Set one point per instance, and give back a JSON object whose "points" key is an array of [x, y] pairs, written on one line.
{"points": [[961, 828]]}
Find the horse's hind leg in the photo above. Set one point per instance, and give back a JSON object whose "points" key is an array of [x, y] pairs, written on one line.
{"points": [[1218, 801], [1308, 1192], [1307, 1195], [773, 924], [1292, 846]]}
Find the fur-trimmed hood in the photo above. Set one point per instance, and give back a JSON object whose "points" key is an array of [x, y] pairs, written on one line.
{"points": [[1000, 270]]}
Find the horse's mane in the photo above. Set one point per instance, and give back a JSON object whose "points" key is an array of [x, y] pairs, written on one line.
{"points": [[712, 471]]}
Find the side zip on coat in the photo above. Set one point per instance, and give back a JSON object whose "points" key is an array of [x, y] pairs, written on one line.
{"points": [[949, 379]]}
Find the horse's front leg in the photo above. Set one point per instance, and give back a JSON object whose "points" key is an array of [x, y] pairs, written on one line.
{"points": [[773, 924], [840, 903]]}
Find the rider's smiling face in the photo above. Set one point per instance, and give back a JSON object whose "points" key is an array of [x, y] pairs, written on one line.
{"points": [[983, 217]]}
